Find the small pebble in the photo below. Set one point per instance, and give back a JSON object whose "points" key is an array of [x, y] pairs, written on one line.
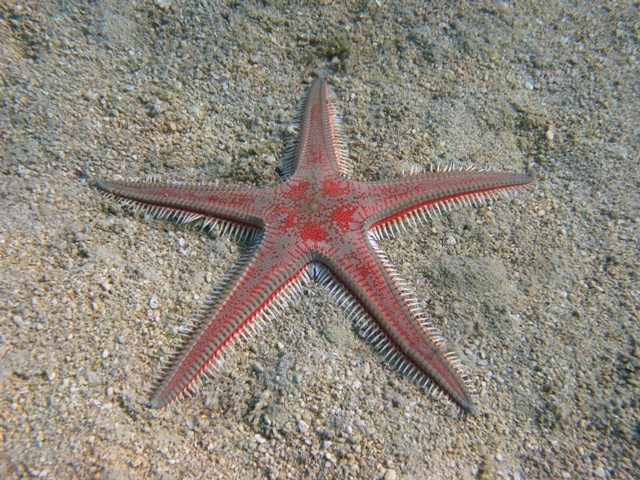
{"points": [[17, 319], [259, 438], [105, 354], [599, 472], [181, 242], [528, 86], [194, 110], [451, 240], [258, 368], [550, 135], [153, 303], [91, 377], [390, 474], [303, 426]]}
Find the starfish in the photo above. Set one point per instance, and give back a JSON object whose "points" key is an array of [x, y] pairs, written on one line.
{"points": [[317, 224]]}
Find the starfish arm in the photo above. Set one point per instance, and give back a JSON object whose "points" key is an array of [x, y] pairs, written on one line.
{"points": [[240, 206], [393, 200], [247, 299], [319, 145], [394, 320]]}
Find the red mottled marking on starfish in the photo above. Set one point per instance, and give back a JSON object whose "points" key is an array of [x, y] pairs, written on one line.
{"points": [[313, 233], [320, 221]]}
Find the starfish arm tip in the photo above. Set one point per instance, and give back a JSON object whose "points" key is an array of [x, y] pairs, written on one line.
{"points": [[157, 401], [102, 184], [468, 407]]}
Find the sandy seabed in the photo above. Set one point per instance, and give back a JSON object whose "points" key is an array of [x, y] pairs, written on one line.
{"points": [[538, 293]]}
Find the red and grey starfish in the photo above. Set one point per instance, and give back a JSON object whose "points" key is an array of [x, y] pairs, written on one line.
{"points": [[318, 223]]}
